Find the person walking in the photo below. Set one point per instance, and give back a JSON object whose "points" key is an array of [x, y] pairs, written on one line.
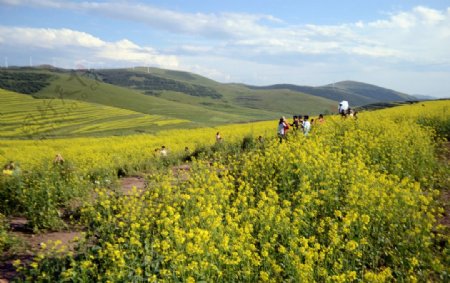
{"points": [[283, 126], [306, 125]]}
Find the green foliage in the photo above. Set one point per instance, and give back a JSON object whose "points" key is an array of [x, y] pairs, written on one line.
{"points": [[42, 195], [150, 82], [24, 82], [440, 123]]}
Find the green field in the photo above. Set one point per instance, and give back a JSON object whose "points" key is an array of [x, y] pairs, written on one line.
{"points": [[22, 116]]}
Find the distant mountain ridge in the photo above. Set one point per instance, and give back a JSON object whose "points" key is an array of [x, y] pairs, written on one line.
{"points": [[356, 93], [424, 97]]}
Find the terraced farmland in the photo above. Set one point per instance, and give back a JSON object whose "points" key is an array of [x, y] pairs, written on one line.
{"points": [[25, 117]]}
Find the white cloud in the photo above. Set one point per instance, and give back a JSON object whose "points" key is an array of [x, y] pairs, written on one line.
{"points": [[216, 25], [47, 38], [404, 35], [264, 48], [76, 43], [127, 51], [406, 20], [429, 16]]}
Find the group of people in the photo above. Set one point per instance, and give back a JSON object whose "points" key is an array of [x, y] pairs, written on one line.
{"points": [[300, 123], [304, 124], [13, 169]]}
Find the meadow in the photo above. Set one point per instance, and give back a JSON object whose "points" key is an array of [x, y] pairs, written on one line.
{"points": [[355, 201]]}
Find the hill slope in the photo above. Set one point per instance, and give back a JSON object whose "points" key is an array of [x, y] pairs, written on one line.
{"points": [[187, 96], [170, 93], [22, 116]]}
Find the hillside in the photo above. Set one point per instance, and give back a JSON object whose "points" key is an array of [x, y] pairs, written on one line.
{"points": [[192, 89], [22, 116], [174, 94], [24, 82], [371, 91], [177, 96]]}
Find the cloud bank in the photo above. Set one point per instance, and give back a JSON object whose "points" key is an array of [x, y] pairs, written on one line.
{"points": [[82, 46]]}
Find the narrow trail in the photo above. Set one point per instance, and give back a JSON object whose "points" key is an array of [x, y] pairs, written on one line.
{"points": [[31, 243], [127, 184]]}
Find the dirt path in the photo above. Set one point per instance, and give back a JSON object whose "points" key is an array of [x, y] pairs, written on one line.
{"points": [[445, 199], [127, 184], [31, 244]]}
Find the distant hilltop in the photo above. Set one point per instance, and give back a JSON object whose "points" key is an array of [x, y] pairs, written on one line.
{"points": [[356, 93]]}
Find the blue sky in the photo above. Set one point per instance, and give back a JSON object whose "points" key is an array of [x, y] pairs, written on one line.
{"points": [[402, 45]]}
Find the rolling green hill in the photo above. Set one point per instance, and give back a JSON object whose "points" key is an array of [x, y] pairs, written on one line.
{"points": [[192, 89], [174, 94], [183, 96]]}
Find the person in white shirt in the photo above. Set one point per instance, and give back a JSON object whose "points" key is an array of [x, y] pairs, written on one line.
{"points": [[163, 151], [343, 107], [306, 125]]}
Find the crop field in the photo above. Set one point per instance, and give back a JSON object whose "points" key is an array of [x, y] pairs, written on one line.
{"points": [[25, 117], [357, 200]]}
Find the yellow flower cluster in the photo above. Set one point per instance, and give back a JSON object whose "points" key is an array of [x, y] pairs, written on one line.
{"points": [[353, 201]]}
